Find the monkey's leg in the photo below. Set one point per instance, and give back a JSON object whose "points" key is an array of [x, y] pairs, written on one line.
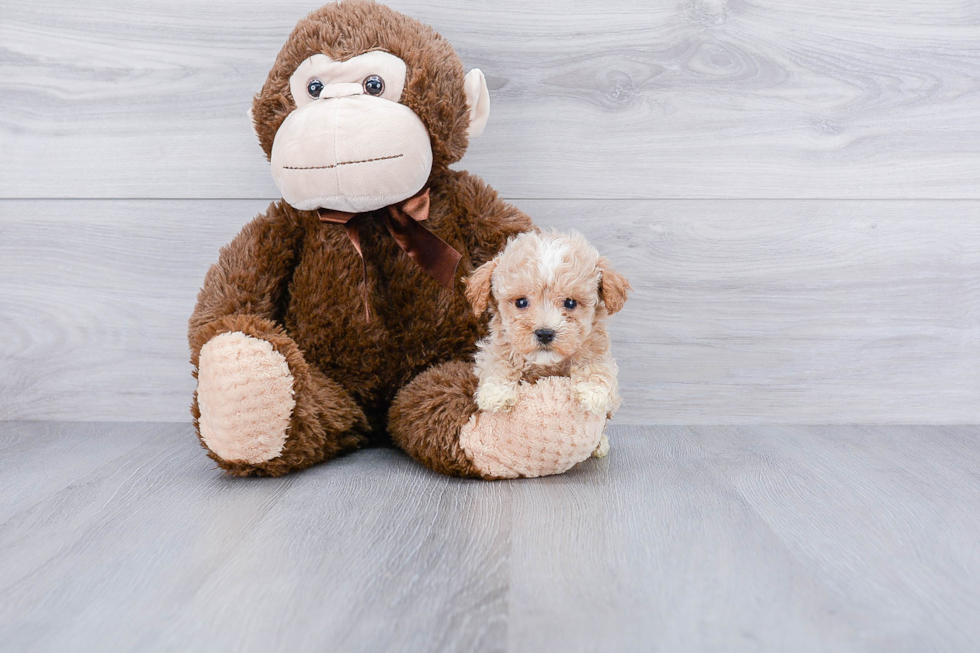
{"points": [[260, 409], [436, 421], [428, 414]]}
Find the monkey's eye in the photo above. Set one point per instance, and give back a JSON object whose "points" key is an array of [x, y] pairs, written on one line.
{"points": [[314, 87], [521, 303], [374, 85], [570, 304]]}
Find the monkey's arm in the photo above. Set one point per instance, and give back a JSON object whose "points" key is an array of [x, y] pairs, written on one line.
{"points": [[485, 221], [250, 278]]}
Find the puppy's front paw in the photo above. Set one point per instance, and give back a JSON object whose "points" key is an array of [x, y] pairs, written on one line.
{"points": [[602, 450], [493, 397], [594, 397]]}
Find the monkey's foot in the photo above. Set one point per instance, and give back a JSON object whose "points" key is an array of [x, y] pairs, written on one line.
{"points": [[245, 395], [546, 432]]}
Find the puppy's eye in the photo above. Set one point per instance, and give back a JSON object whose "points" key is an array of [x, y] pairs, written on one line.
{"points": [[314, 87], [570, 304], [374, 85], [521, 303]]}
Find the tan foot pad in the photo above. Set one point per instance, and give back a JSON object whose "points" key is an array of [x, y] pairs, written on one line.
{"points": [[547, 432], [245, 394]]}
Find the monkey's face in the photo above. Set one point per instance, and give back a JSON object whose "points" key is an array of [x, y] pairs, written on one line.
{"points": [[363, 106], [349, 145]]}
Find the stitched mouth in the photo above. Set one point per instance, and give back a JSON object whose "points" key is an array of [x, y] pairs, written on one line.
{"points": [[343, 163]]}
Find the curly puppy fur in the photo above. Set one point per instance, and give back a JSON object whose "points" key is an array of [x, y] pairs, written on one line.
{"points": [[295, 282], [549, 294]]}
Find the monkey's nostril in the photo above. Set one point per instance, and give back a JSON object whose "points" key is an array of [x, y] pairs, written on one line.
{"points": [[544, 336]]}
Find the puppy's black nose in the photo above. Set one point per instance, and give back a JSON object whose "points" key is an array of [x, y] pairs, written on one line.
{"points": [[544, 336]]}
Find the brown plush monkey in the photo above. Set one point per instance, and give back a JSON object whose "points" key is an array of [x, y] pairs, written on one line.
{"points": [[338, 319]]}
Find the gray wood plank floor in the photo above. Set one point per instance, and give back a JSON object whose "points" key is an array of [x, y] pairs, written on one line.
{"points": [[124, 537]]}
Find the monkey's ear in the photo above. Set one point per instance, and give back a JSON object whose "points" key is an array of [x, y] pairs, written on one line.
{"points": [[613, 287], [478, 101], [479, 285]]}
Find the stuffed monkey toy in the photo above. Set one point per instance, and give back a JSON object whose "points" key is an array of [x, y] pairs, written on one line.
{"points": [[338, 318]]}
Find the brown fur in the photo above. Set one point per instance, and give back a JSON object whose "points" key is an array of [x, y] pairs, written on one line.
{"points": [[296, 282], [433, 83], [442, 399]]}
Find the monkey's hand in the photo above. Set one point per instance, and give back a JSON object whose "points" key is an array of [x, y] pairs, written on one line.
{"points": [[495, 396]]}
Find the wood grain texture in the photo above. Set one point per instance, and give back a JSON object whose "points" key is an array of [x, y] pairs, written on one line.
{"points": [[619, 99], [26, 450], [683, 539], [754, 538], [744, 312]]}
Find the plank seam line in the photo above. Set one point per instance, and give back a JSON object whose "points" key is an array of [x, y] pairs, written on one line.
{"points": [[519, 199]]}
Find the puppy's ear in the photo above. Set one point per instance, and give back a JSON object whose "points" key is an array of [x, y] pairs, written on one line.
{"points": [[613, 287], [478, 286]]}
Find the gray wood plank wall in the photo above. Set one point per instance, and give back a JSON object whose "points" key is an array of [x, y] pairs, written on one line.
{"points": [[792, 187]]}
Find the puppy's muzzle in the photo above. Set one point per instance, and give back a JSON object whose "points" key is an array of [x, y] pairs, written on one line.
{"points": [[544, 336]]}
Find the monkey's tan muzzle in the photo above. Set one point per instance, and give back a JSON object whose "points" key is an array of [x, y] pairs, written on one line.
{"points": [[350, 152]]}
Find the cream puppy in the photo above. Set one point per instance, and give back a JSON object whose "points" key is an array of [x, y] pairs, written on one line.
{"points": [[549, 294]]}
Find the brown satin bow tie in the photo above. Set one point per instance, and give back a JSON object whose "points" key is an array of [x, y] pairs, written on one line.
{"points": [[434, 255]]}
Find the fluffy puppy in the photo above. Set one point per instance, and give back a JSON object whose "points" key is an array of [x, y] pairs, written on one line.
{"points": [[549, 294]]}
